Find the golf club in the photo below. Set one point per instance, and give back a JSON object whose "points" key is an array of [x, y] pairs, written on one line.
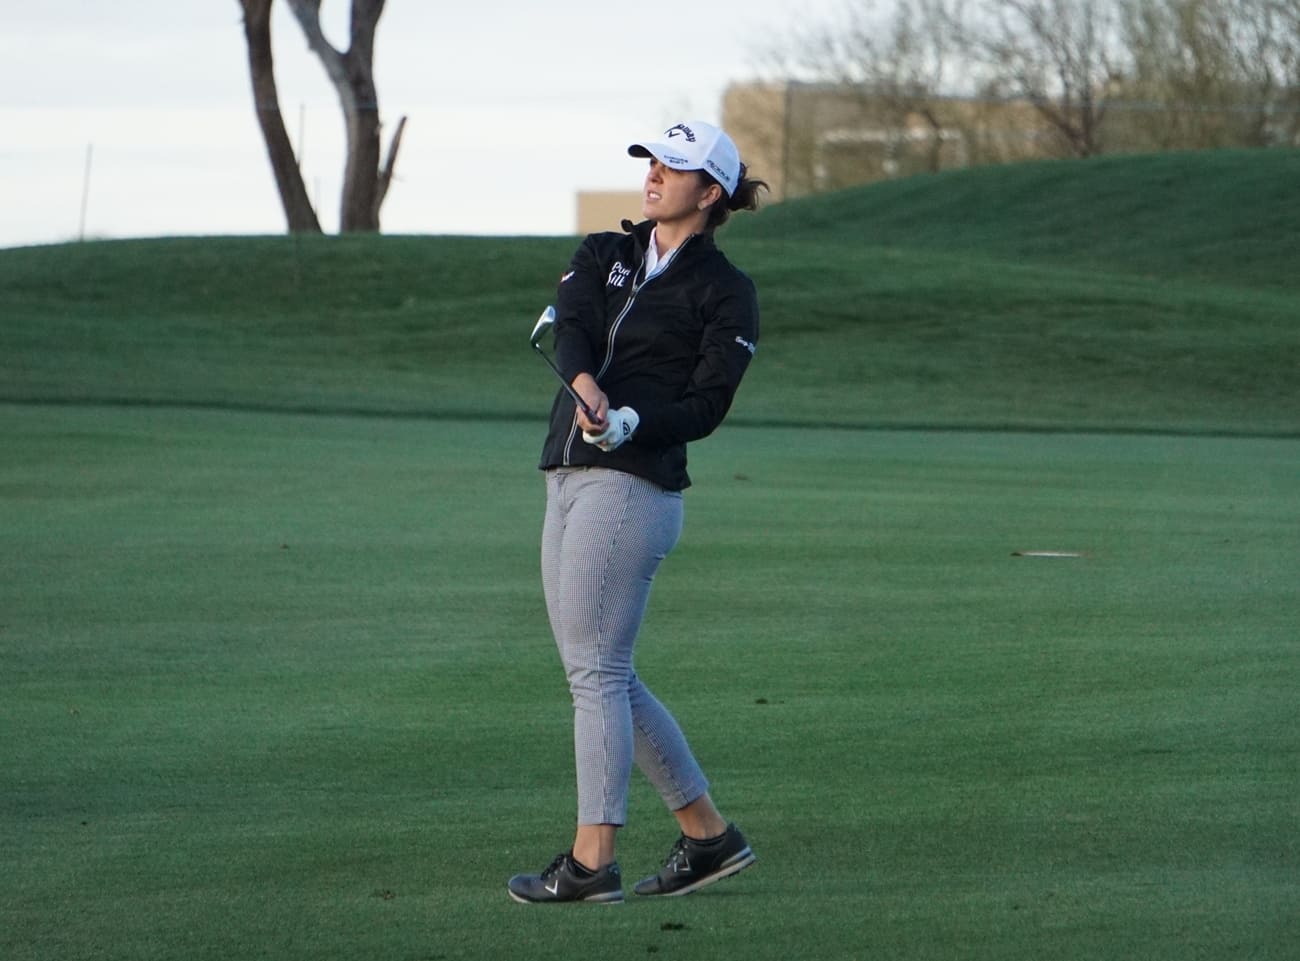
{"points": [[545, 323]]}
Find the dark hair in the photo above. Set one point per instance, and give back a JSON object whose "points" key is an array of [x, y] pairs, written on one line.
{"points": [[744, 197]]}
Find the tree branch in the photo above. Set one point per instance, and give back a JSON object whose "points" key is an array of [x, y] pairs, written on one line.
{"points": [[365, 18], [307, 13], [386, 172]]}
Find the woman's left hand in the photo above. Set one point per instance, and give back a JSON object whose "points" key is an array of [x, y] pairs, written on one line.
{"points": [[595, 398]]}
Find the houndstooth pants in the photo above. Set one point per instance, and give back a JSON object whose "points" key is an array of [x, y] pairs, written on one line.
{"points": [[603, 538]]}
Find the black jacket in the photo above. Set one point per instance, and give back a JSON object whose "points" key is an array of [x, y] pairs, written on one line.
{"points": [[673, 349]]}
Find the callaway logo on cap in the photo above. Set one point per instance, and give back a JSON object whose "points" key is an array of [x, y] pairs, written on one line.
{"points": [[695, 145]]}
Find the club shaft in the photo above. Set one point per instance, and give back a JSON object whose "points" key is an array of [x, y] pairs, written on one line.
{"points": [[591, 414]]}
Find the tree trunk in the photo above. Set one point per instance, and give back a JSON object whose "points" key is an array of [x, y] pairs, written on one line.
{"points": [[266, 99], [358, 209], [934, 156]]}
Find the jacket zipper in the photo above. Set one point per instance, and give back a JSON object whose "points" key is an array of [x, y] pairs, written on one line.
{"points": [[636, 289], [613, 332]]}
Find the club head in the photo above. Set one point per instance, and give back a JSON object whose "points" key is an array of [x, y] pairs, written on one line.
{"points": [[544, 323]]}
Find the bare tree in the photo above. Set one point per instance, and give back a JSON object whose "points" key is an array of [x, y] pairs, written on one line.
{"points": [[1215, 73], [298, 210], [351, 71], [365, 183], [1061, 56], [910, 69], [936, 83], [869, 94], [1288, 15], [1258, 82]]}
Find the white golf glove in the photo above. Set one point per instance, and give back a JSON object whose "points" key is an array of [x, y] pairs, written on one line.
{"points": [[621, 424]]}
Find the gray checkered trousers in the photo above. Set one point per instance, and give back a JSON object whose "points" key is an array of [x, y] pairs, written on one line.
{"points": [[603, 538]]}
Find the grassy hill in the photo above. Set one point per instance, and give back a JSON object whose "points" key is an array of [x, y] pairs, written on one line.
{"points": [[1225, 216], [1143, 293]]}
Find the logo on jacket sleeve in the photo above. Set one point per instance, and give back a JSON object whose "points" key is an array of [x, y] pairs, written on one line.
{"points": [[748, 345], [618, 275]]}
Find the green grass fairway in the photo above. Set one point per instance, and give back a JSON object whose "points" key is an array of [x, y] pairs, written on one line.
{"points": [[276, 680], [280, 687]]}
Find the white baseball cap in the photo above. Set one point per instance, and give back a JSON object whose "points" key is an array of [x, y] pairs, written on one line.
{"points": [[695, 145]]}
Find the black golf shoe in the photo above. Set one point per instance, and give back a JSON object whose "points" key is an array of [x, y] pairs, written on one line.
{"points": [[693, 864], [561, 882]]}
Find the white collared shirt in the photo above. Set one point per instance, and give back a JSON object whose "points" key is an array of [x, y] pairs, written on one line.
{"points": [[654, 263]]}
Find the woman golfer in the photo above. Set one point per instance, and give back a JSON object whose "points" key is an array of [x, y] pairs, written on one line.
{"points": [[654, 330]]}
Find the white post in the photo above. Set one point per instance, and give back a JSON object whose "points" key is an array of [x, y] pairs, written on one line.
{"points": [[85, 190]]}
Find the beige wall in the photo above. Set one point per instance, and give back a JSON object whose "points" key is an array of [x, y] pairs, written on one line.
{"points": [[606, 209], [755, 116]]}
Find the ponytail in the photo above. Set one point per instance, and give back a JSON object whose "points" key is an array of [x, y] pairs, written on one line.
{"points": [[744, 197]]}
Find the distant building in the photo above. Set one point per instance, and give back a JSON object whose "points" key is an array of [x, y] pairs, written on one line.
{"points": [[607, 209], [805, 138]]}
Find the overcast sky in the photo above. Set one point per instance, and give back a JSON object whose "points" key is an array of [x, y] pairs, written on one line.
{"points": [[513, 106]]}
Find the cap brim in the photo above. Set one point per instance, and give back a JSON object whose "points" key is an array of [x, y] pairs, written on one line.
{"points": [[665, 153]]}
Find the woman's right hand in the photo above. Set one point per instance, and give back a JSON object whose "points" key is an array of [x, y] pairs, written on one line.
{"points": [[590, 392]]}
